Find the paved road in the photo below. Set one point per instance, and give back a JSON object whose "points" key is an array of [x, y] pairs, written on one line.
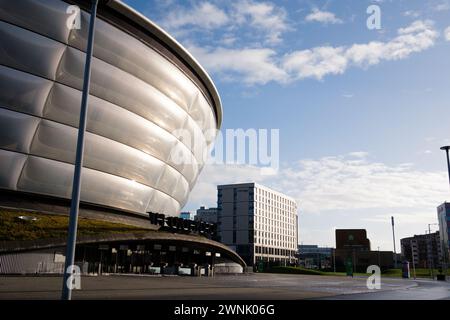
{"points": [[424, 290], [250, 286]]}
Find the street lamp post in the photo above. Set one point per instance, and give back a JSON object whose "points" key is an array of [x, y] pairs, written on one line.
{"points": [[393, 237], [446, 149], [76, 185]]}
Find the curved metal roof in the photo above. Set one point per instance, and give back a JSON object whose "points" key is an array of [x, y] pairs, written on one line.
{"points": [[160, 236], [128, 12]]}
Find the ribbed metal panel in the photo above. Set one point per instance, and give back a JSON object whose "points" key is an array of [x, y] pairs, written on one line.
{"points": [[30, 263], [139, 99]]}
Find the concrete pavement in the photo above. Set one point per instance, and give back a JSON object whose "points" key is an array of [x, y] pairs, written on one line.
{"points": [[248, 286], [424, 290]]}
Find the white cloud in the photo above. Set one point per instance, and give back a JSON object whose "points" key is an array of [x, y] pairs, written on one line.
{"points": [[443, 6], [323, 17], [255, 66], [447, 34], [263, 16], [321, 61], [228, 40], [316, 62], [359, 154], [419, 36], [410, 217], [262, 65], [204, 15], [269, 20], [346, 182], [411, 13], [346, 191]]}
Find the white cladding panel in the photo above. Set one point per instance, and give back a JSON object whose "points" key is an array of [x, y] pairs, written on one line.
{"points": [[139, 100]]}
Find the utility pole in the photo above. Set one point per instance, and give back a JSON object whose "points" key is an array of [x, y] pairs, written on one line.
{"points": [[393, 237], [76, 185], [429, 251]]}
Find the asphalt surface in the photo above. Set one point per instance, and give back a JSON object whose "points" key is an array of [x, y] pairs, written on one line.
{"points": [[424, 290], [237, 287]]}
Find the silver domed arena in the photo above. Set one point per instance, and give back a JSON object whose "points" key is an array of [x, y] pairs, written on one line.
{"points": [[145, 87]]}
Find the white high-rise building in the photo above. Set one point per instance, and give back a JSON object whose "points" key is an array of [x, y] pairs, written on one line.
{"points": [[260, 224]]}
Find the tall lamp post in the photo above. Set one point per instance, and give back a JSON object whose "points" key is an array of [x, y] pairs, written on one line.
{"points": [[446, 149], [76, 185], [393, 237]]}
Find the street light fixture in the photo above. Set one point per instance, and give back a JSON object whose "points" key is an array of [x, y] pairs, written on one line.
{"points": [[446, 149]]}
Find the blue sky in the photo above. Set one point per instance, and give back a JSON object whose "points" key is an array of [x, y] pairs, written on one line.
{"points": [[362, 113]]}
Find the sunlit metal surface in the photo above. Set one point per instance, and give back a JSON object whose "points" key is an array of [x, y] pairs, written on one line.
{"points": [[139, 98]]}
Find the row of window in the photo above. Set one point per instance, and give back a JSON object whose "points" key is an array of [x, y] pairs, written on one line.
{"points": [[274, 243], [274, 251], [275, 222], [267, 202], [272, 196], [265, 197], [275, 232], [274, 215], [271, 234], [286, 242]]}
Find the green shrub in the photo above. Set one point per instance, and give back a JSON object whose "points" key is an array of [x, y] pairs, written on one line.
{"points": [[54, 226], [294, 270]]}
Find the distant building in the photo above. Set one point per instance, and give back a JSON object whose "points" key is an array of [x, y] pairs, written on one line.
{"points": [[186, 215], [444, 231], [353, 249], [355, 239], [207, 215], [260, 224], [314, 257], [313, 248], [424, 250]]}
